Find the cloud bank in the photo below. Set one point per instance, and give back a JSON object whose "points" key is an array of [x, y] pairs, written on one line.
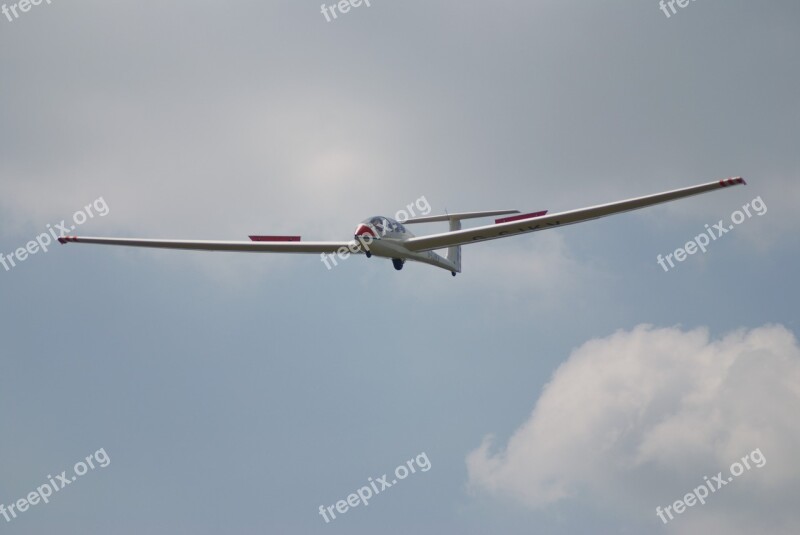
{"points": [[636, 420]]}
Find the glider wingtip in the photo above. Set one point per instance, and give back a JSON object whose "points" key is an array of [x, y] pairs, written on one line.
{"points": [[734, 181], [65, 239]]}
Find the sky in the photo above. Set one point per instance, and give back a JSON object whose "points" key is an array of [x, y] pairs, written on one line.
{"points": [[565, 382]]}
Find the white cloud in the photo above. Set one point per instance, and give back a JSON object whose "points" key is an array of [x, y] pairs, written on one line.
{"points": [[640, 417]]}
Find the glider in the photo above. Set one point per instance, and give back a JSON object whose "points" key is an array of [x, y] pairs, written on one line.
{"points": [[387, 238]]}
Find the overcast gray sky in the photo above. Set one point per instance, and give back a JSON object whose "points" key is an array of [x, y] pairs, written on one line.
{"points": [[563, 383]]}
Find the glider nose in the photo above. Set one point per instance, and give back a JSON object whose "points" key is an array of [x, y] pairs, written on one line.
{"points": [[363, 230]]}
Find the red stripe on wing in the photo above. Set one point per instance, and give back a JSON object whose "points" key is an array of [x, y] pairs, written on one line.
{"points": [[275, 238], [518, 217]]}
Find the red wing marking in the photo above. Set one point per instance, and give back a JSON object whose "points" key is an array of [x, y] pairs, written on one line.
{"points": [[275, 238], [522, 216]]}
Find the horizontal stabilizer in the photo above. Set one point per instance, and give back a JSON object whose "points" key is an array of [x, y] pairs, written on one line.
{"points": [[458, 216]]}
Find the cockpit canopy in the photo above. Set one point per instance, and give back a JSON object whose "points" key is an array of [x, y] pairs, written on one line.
{"points": [[382, 226]]}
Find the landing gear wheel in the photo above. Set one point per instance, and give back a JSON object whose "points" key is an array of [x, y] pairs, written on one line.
{"points": [[453, 273], [398, 263], [369, 255]]}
